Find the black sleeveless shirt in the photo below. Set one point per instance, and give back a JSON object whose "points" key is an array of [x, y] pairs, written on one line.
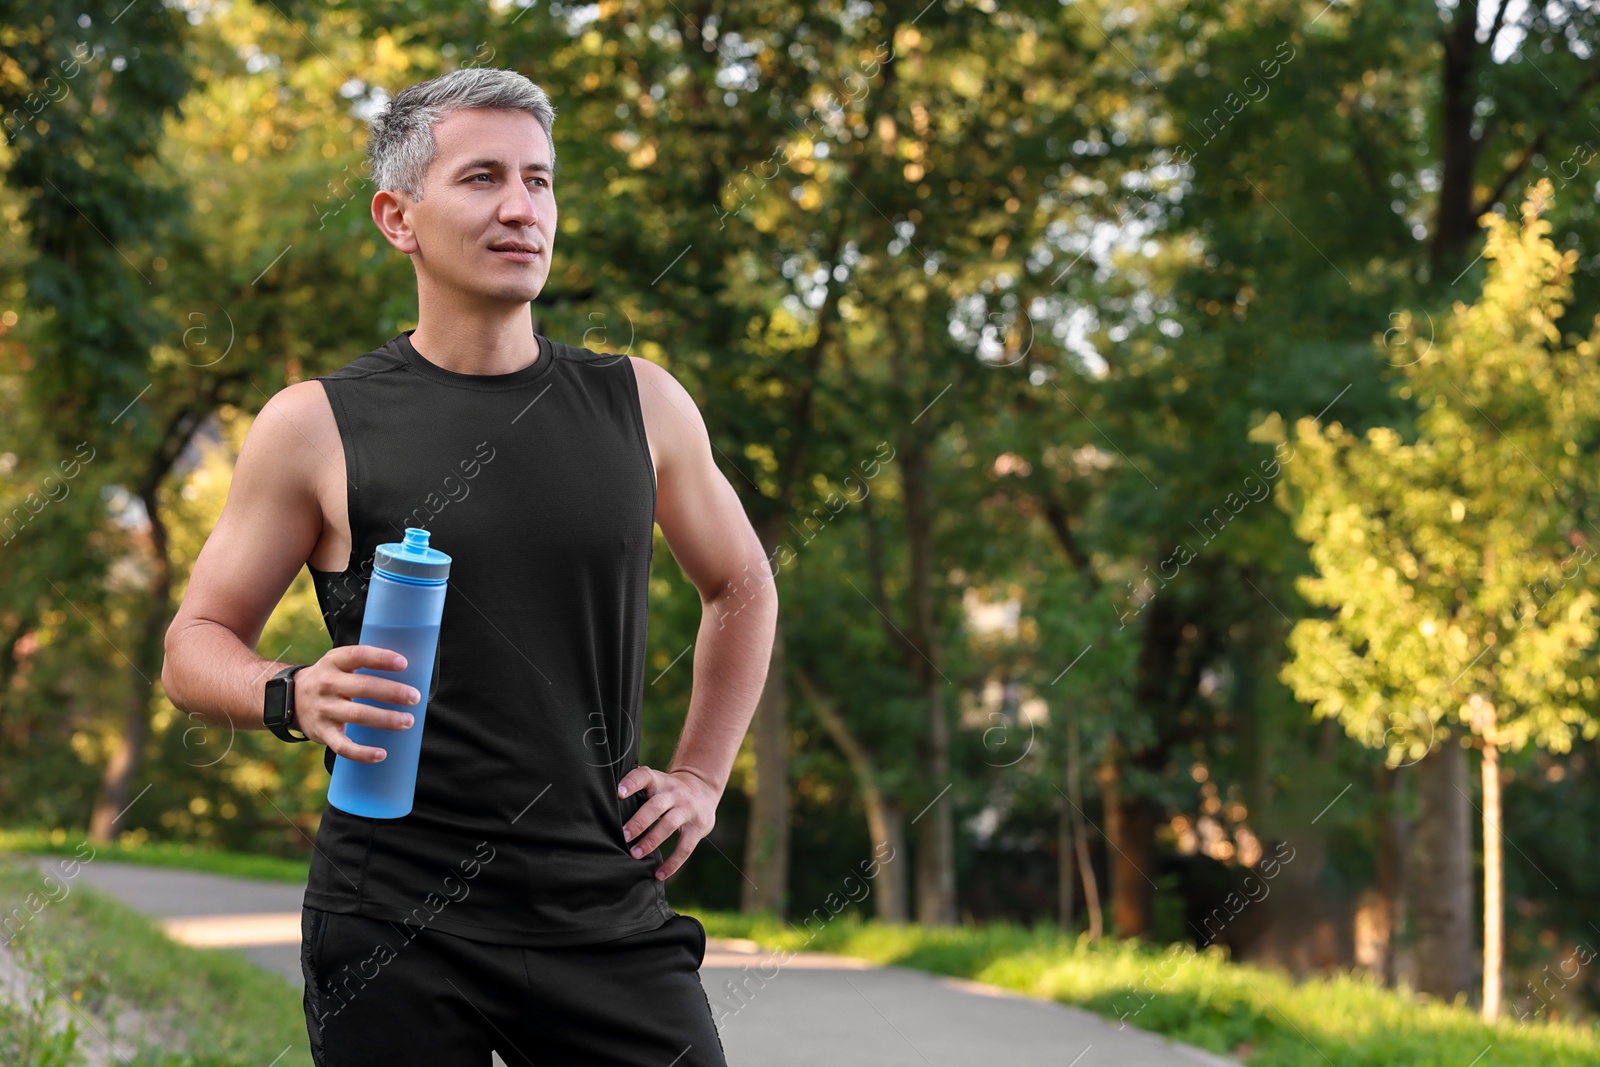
{"points": [[538, 484]]}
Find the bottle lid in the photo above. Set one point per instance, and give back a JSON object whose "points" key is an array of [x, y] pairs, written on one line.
{"points": [[412, 558]]}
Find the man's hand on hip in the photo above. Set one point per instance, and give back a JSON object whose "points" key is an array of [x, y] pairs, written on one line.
{"points": [[679, 801]]}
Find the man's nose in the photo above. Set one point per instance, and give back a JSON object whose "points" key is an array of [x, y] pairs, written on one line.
{"points": [[518, 206]]}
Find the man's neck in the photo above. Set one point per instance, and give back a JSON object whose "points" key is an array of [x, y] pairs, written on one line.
{"points": [[498, 343]]}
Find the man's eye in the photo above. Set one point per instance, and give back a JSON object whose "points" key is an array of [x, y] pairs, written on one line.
{"points": [[475, 177]]}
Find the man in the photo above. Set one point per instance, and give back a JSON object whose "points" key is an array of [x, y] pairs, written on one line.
{"points": [[520, 907]]}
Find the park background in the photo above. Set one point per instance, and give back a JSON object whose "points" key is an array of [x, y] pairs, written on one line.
{"points": [[1174, 428]]}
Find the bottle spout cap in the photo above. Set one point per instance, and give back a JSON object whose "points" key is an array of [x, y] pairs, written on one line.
{"points": [[413, 558]]}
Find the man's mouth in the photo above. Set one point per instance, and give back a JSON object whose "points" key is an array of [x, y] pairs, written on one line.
{"points": [[515, 251]]}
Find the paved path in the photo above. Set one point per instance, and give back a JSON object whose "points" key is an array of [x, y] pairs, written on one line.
{"points": [[816, 1009]]}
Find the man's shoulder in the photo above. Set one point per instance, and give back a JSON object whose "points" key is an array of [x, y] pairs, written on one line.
{"points": [[309, 403], [298, 415], [672, 418], [653, 377]]}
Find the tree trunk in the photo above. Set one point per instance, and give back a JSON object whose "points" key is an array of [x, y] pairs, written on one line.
{"points": [[1135, 858], [766, 842], [1493, 906], [936, 867], [1130, 841], [110, 808], [1442, 886], [1091, 887], [1066, 852], [894, 876], [1159, 692], [885, 819], [10, 666], [1455, 225], [1109, 777], [1392, 839]]}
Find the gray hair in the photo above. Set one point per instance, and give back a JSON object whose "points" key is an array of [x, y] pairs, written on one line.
{"points": [[400, 142]]}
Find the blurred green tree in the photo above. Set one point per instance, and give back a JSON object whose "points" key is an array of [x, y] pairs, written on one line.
{"points": [[1455, 565]]}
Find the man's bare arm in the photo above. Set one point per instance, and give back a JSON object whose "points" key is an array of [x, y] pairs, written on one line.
{"points": [[713, 542], [269, 526]]}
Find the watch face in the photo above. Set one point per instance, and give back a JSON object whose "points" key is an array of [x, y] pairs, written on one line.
{"points": [[277, 700]]}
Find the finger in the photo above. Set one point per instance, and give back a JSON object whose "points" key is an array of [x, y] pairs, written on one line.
{"points": [[686, 844], [641, 777], [647, 814], [381, 690], [328, 716], [367, 715], [663, 829], [360, 753], [342, 745], [350, 657]]}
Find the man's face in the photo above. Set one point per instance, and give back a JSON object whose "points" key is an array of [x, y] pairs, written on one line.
{"points": [[489, 187]]}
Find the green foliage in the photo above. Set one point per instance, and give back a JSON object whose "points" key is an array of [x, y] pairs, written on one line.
{"points": [[33, 1032], [84, 100], [1454, 564]]}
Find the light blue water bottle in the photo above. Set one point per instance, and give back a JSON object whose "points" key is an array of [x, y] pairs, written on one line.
{"points": [[405, 603]]}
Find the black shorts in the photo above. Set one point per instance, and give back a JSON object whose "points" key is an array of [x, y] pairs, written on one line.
{"points": [[374, 996]]}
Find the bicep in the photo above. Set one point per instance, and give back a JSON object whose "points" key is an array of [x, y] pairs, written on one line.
{"points": [[270, 524]]}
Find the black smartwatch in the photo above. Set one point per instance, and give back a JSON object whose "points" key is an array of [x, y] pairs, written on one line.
{"points": [[278, 713]]}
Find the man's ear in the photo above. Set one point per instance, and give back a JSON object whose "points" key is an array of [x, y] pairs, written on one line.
{"points": [[389, 211]]}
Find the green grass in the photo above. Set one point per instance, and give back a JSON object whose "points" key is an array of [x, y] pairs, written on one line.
{"points": [[209, 1007], [1254, 1014], [157, 854]]}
